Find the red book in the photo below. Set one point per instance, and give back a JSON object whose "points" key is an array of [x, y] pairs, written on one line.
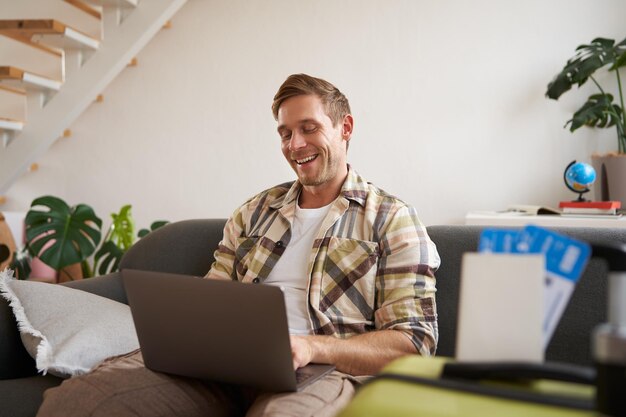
{"points": [[603, 205]]}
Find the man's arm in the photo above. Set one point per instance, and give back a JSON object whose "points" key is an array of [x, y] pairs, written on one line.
{"points": [[224, 256], [364, 354]]}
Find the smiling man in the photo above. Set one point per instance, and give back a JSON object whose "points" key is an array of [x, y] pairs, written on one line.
{"points": [[356, 266]]}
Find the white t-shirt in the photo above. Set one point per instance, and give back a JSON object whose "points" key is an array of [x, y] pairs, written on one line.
{"points": [[291, 272]]}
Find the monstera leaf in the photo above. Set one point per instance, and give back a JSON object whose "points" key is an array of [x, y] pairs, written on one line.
{"points": [[588, 59], [598, 111], [61, 235], [108, 258]]}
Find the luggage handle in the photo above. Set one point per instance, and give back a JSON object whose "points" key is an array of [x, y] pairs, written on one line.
{"points": [[515, 371]]}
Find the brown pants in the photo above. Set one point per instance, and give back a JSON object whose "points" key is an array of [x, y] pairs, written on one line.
{"points": [[124, 387]]}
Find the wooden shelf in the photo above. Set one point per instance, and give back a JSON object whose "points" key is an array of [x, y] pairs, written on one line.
{"points": [[24, 79], [49, 32]]}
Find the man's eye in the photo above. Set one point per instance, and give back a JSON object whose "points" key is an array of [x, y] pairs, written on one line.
{"points": [[309, 129], [285, 135]]}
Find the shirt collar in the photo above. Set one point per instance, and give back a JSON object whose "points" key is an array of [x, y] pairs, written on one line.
{"points": [[354, 188]]}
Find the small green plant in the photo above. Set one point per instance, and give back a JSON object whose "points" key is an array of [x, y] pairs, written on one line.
{"points": [[60, 236], [599, 110], [119, 238]]}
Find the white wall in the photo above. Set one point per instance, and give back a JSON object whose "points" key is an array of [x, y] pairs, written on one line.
{"points": [[448, 99]]}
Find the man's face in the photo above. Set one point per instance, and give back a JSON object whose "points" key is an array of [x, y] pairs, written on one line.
{"points": [[315, 149]]}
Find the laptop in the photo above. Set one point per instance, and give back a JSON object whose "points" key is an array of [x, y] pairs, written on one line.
{"points": [[215, 330]]}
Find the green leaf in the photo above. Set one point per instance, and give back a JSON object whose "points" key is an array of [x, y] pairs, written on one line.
{"points": [[61, 235], [154, 226], [21, 263], [620, 61], [122, 230], [108, 258], [587, 60], [598, 111]]}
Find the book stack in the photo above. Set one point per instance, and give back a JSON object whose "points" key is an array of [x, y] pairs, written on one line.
{"points": [[601, 208]]}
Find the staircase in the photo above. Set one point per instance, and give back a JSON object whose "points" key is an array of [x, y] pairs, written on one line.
{"points": [[51, 71]]}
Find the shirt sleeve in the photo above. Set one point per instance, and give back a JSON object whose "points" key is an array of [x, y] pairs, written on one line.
{"points": [[405, 282], [224, 265]]}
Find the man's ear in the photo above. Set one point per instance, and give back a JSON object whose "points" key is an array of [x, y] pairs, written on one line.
{"points": [[347, 126]]}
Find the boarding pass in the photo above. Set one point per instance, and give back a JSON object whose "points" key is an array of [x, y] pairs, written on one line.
{"points": [[565, 261]]}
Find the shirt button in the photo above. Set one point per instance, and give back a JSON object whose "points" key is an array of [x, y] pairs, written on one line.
{"points": [[279, 244], [256, 280]]}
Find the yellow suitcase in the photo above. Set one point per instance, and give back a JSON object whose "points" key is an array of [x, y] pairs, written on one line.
{"points": [[416, 386]]}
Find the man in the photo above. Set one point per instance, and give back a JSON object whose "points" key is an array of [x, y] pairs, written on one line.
{"points": [[356, 265]]}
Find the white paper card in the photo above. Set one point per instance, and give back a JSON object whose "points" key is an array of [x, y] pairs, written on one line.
{"points": [[501, 308]]}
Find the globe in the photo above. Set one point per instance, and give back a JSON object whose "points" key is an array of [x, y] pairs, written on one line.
{"points": [[579, 176]]}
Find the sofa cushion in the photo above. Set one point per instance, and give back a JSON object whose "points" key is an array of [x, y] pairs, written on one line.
{"points": [[67, 331]]}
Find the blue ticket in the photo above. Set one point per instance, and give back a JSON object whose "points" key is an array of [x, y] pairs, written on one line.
{"points": [[565, 260], [498, 241], [565, 257]]}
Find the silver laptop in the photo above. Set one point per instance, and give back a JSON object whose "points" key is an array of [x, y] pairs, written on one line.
{"points": [[215, 330]]}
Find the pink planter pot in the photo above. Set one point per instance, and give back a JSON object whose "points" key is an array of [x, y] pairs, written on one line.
{"points": [[611, 177]]}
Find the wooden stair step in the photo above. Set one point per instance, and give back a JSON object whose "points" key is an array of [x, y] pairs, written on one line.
{"points": [[48, 31], [29, 80], [86, 8], [114, 3], [13, 90], [11, 124], [9, 128]]}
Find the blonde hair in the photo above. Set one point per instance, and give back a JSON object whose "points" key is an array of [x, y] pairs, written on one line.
{"points": [[335, 103]]}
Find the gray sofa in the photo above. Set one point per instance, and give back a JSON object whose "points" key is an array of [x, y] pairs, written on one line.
{"points": [[187, 247]]}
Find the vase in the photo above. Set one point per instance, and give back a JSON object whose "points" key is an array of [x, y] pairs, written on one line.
{"points": [[610, 183]]}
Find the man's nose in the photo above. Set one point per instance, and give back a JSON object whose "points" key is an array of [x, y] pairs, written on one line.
{"points": [[297, 141]]}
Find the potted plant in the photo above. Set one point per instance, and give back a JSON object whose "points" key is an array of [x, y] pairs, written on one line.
{"points": [[600, 110], [64, 238], [119, 238]]}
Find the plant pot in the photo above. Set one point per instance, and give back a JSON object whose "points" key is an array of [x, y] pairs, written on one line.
{"points": [[70, 273], [7, 244], [611, 177]]}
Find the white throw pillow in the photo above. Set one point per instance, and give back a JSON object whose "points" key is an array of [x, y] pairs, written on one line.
{"points": [[67, 331]]}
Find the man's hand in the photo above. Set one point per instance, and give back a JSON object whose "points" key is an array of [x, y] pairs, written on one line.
{"points": [[363, 354], [301, 351]]}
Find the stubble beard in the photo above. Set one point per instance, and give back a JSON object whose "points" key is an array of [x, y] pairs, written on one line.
{"points": [[326, 173]]}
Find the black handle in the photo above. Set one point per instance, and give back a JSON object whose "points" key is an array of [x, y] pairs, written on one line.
{"points": [[513, 371]]}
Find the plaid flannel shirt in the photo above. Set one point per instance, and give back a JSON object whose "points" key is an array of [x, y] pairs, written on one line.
{"points": [[371, 265]]}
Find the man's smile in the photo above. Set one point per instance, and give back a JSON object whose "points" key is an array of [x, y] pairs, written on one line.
{"points": [[305, 160]]}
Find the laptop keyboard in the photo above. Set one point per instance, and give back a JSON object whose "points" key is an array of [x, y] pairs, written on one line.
{"points": [[303, 375]]}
